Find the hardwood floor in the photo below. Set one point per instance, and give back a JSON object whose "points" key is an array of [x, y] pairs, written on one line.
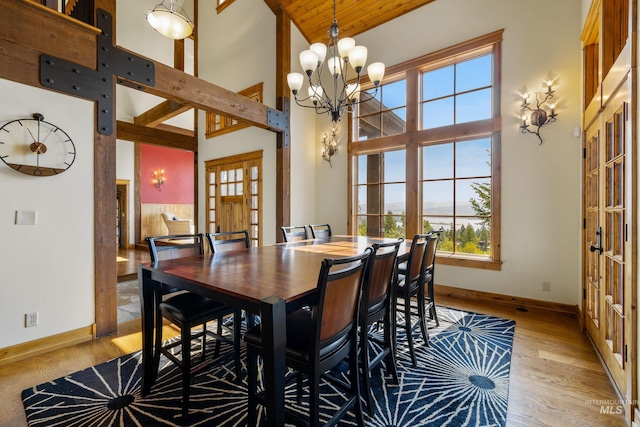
{"points": [[556, 377]]}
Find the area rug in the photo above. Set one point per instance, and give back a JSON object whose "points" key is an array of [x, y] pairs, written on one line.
{"points": [[462, 379]]}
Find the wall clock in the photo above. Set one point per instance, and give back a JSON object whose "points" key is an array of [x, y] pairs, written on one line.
{"points": [[35, 147]]}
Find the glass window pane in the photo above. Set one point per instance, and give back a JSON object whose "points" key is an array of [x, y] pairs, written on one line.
{"points": [[430, 223], [437, 113], [473, 106], [362, 169], [212, 215], [212, 178], [362, 225], [437, 198], [468, 231], [473, 158], [254, 217], [437, 161], [369, 127], [212, 203], [469, 201], [254, 172], [239, 188], [254, 187], [223, 189], [394, 95], [437, 83], [223, 176], [394, 122], [474, 73], [212, 190], [394, 166], [239, 174], [254, 202], [394, 199], [254, 231], [362, 199], [232, 175], [394, 226], [232, 190]]}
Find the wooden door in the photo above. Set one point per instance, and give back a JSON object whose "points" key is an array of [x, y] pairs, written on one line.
{"points": [[608, 253], [234, 195]]}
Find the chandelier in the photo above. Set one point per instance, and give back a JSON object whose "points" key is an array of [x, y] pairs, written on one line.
{"points": [[171, 22], [337, 55]]}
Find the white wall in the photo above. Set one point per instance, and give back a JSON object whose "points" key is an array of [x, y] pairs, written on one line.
{"points": [[47, 267], [125, 170], [541, 196]]}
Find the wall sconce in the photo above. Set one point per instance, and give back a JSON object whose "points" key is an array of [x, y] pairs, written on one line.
{"points": [[329, 145], [158, 179], [539, 115]]}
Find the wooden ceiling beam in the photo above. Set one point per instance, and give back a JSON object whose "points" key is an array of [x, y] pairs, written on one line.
{"points": [[160, 113], [146, 135]]}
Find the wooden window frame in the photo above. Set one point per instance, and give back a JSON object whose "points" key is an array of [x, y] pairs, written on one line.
{"points": [[415, 138]]}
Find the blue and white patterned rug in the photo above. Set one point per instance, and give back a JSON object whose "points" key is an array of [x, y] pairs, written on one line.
{"points": [[462, 379]]}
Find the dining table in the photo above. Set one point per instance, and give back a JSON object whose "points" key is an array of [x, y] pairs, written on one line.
{"points": [[269, 281]]}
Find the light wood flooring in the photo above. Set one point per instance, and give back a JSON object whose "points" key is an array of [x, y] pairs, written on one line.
{"points": [[556, 378]]}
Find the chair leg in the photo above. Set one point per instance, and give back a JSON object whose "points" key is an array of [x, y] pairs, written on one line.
{"points": [[204, 341], [390, 359], [432, 309], [237, 326], [422, 317], [366, 372], [355, 383], [216, 353], [252, 386], [186, 368], [314, 399], [409, 329]]}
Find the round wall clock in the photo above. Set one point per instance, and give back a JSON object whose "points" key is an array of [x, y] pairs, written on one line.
{"points": [[35, 147]]}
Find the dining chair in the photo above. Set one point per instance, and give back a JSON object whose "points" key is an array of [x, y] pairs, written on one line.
{"points": [[186, 310], [320, 231], [411, 285], [378, 306], [429, 277], [319, 339], [294, 233], [225, 242]]}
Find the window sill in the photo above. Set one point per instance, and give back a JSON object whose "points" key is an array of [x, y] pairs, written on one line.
{"points": [[458, 260]]}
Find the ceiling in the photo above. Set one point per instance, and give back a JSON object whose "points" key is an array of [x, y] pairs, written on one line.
{"points": [[313, 17]]}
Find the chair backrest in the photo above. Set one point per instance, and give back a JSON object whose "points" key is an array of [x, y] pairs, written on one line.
{"points": [[340, 289], [381, 275], [228, 241], [416, 261], [294, 233], [430, 255], [320, 231], [175, 246]]}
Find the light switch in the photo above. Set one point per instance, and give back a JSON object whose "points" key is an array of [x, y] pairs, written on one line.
{"points": [[26, 217]]}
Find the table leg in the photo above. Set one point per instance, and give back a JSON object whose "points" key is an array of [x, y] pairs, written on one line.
{"points": [[147, 314], [274, 340]]}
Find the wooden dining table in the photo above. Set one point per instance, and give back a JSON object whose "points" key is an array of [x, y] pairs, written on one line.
{"points": [[269, 281]]}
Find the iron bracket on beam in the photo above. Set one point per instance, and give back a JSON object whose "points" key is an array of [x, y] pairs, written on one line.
{"points": [[279, 120], [98, 85]]}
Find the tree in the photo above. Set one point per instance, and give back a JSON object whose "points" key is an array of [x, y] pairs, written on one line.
{"points": [[391, 227], [482, 205]]}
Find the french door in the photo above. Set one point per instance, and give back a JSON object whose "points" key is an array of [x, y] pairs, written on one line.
{"points": [[234, 195], [608, 237]]}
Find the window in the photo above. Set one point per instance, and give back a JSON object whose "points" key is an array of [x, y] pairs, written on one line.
{"points": [[425, 153], [222, 5], [218, 125]]}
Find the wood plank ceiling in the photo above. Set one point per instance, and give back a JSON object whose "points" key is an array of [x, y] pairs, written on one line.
{"points": [[313, 17]]}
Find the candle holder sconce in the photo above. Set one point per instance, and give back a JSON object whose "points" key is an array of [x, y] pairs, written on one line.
{"points": [[540, 114]]}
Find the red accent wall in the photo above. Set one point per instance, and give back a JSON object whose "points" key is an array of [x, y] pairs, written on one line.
{"points": [[178, 175]]}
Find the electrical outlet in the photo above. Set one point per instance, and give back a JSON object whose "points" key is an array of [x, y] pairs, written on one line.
{"points": [[31, 319], [546, 286]]}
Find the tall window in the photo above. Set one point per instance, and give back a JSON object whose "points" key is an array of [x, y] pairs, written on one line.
{"points": [[425, 153]]}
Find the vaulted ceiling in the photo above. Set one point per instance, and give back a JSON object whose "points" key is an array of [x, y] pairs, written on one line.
{"points": [[313, 17]]}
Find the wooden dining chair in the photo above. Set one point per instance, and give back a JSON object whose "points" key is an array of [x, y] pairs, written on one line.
{"points": [[320, 231], [430, 265], [319, 339], [411, 286], [378, 306], [186, 310], [294, 233]]}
